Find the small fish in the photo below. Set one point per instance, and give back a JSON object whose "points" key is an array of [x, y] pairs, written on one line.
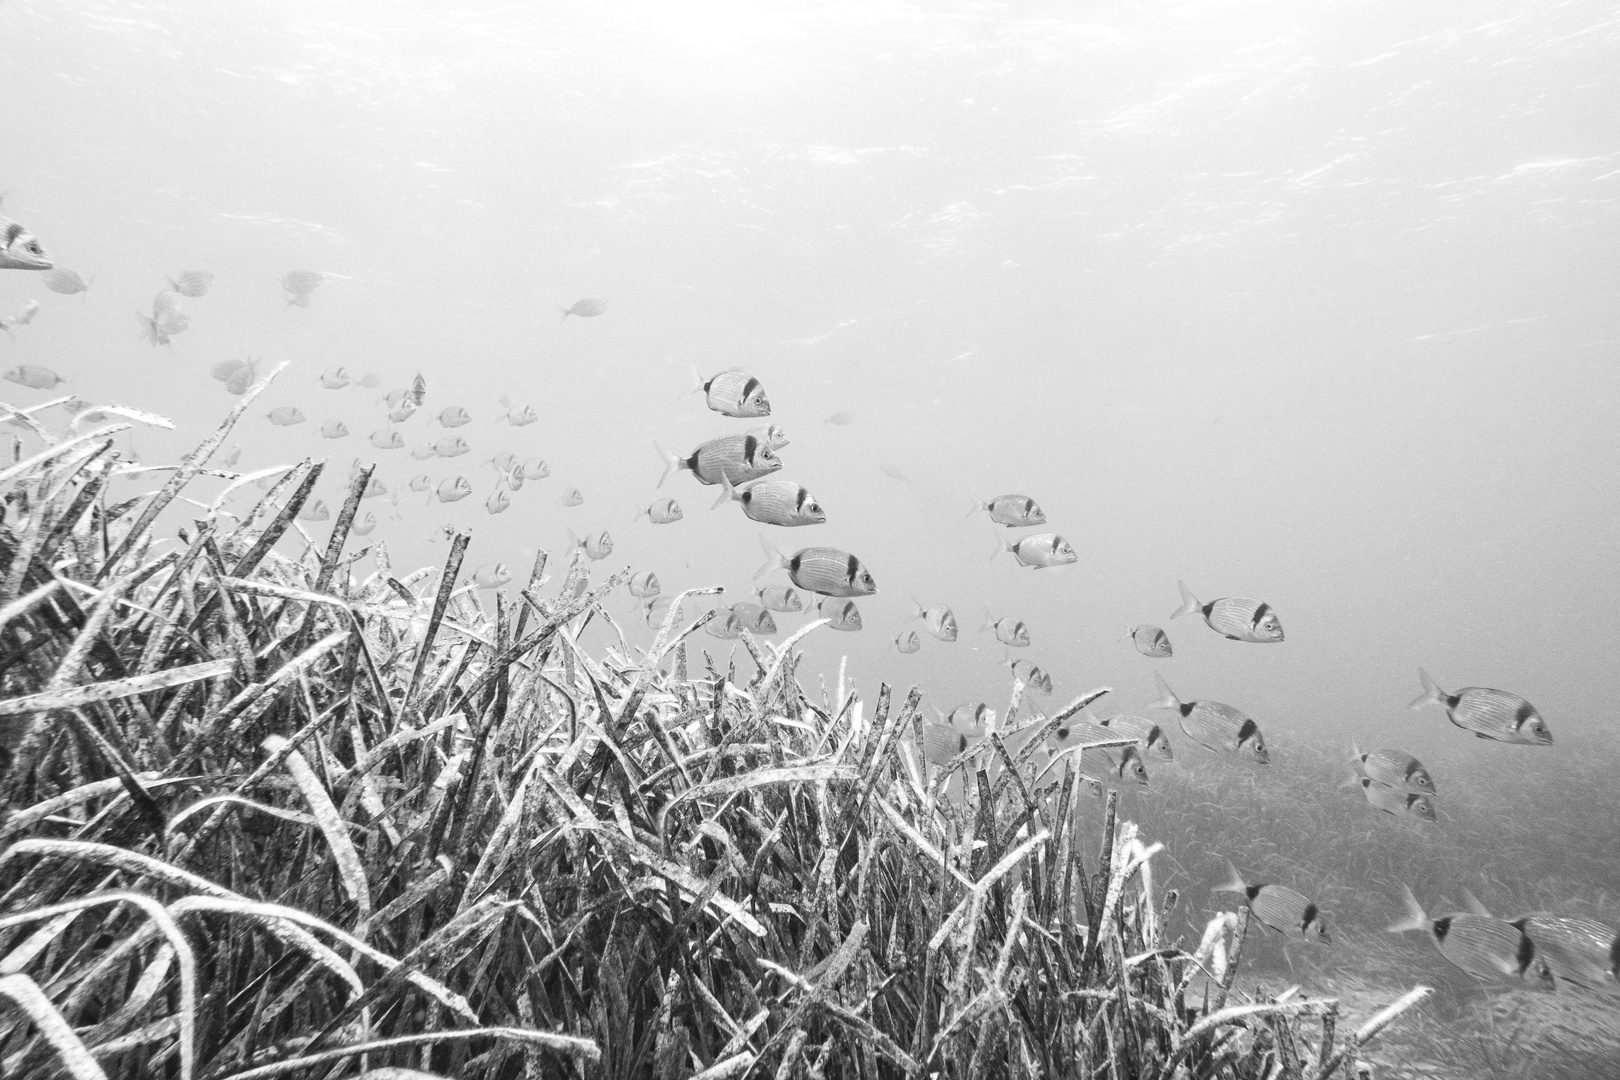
{"points": [[1013, 511], [893, 472], [314, 510], [454, 416], [840, 418], [366, 523], [597, 545], [497, 502], [421, 483], [655, 607], [192, 282], [422, 451], [1395, 801], [402, 413], [225, 370], [166, 319], [971, 718], [738, 457], [451, 446], [588, 308], [1149, 640], [1035, 678], [1479, 945], [33, 376], [1149, 736], [370, 380], [334, 429], [773, 502], [517, 415], [237, 375], [492, 576], [395, 398], [771, 435], [660, 512], [1396, 768], [571, 497], [907, 641], [298, 300], [1489, 714], [285, 416], [66, 282], [454, 489], [375, 489], [1009, 631], [21, 249], [384, 439], [418, 391], [1040, 550], [298, 284], [823, 570], [645, 584], [26, 315], [938, 620], [733, 393], [724, 626], [514, 478], [755, 618], [782, 598], [1284, 910], [840, 613], [503, 461], [1236, 617], [1214, 726], [535, 469], [335, 378]]}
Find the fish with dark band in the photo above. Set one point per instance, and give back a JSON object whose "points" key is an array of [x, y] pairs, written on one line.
{"points": [[1395, 801], [1395, 768], [571, 497], [840, 613], [907, 641], [1149, 640], [383, 439], [1036, 678], [517, 415], [938, 619], [753, 617], [492, 576], [1236, 617], [1009, 631], [1579, 951], [784, 598], [21, 249], [773, 502], [660, 512], [1214, 726], [454, 489], [1039, 551], [733, 393], [644, 585], [334, 429], [771, 435], [335, 378], [1013, 511], [454, 416], [450, 446], [1149, 736], [1489, 714], [1479, 945], [597, 545], [739, 458], [1286, 911], [824, 570], [314, 510]]}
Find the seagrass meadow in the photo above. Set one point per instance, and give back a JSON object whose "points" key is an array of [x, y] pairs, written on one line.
{"points": [[268, 817]]}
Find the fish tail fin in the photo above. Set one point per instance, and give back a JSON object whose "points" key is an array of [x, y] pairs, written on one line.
{"points": [[727, 492], [1167, 697], [1234, 880], [989, 621], [975, 505], [1352, 778], [565, 313], [573, 539], [921, 612], [697, 382], [1126, 636], [1432, 694], [1189, 603], [773, 558], [1091, 717], [1001, 545], [1355, 751], [1472, 903], [1416, 918], [672, 463]]}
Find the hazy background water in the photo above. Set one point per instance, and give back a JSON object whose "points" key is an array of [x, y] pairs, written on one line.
{"points": [[1313, 302]]}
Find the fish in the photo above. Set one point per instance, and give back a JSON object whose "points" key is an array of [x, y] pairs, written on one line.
{"points": [[237, 375], [451, 446], [334, 429], [1013, 511], [1009, 631], [1395, 768], [26, 315], [1039, 550], [771, 435], [454, 489], [503, 461], [370, 381], [454, 416], [513, 479], [375, 489], [401, 414], [535, 469], [225, 370], [366, 523], [733, 393], [1489, 714], [1391, 800], [384, 439], [285, 416], [724, 625], [492, 576], [191, 282], [971, 718], [517, 415], [782, 598], [840, 418], [1149, 640], [656, 607], [773, 502], [298, 300], [314, 510], [67, 282], [1579, 951], [739, 457], [755, 618], [907, 642], [420, 483], [588, 308], [497, 502], [1283, 909], [824, 570], [1031, 676], [418, 391], [1235, 617], [335, 378], [1479, 945], [644, 585], [422, 451], [21, 249], [33, 376], [597, 545], [1149, 736], [943, 743], [840, 613], [571, 497], [1214, 726], [396, 398], [938, 619], [298, 284], [660, 512], [166, 319]]}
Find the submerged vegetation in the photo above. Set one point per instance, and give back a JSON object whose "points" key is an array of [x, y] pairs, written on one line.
{"points": [[267, 817]]}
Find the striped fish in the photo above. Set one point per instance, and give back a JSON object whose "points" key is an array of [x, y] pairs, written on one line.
{"points": [[1009, 631], [1149, 736], [334, 429], [597, 545], [1489, 714], [21, 249], [840, 613], [724, 626], [1578, 951], [454, 416], [771, 435], [1484, 947], [939, 620], [1149, 640], [907, 642], [773, 502], [1395, 801], [733, 393], [65, 281], [753, 617], [943, 743], [364, 524], [1013, 511], [1283, 909], [571, 497], [1236, 617], [645, 584], [1031, 676], [192, 282], [335, 378], [973, 718], [1395, 768], [1040, 550], [739, 457], [1214, 726], [588, 308], [383, 439], [454, 489], [782, 598], [661, 512], [824, 570]]}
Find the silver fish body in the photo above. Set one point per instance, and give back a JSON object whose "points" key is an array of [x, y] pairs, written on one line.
{"points": [[365, 523], [1039, 551], [1396, 801], [383, 439], [1481, 946], [1579, 951], [1009, 631], [662, 512], [644, 585], [454, 489], [907, 642], [334, 429], [335, 378], [588, 308], [300, 283], [938, 619], [401, 413], [314, 510], [739, 458], [571, 497], [1489, 714], [753, 617], [64, 281], [734, 393], [192, 282], [597, 545], [422, 451], [1216, 727], [1285, 910], [1235, 617], [824, 570], [1394, 768], [1013, 511], [285, 416], [421, 482], [454, 416], [21, 249], [783, 598], [840, 613], [773, 502], [497, 502], [450, 446], [1032, 676], [492, 576], [771, 435], [1149, 736], [724, 626], [33, 376], [535, 469], [1149, 640]]}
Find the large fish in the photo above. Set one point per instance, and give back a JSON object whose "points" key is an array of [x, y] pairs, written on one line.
{"points": [[1489, 714], [21, 249], [1039, 551], [1009, 631], [1149, 640], [823, 570], [733, 393], [738, 457], [1283, 909], [840, 613], [1484, 947], [1236, 617], [773, 502], [1214, 726], [1013, 511], [1088, 733], [1579, 951], [938, 619], [1395, 768]]}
